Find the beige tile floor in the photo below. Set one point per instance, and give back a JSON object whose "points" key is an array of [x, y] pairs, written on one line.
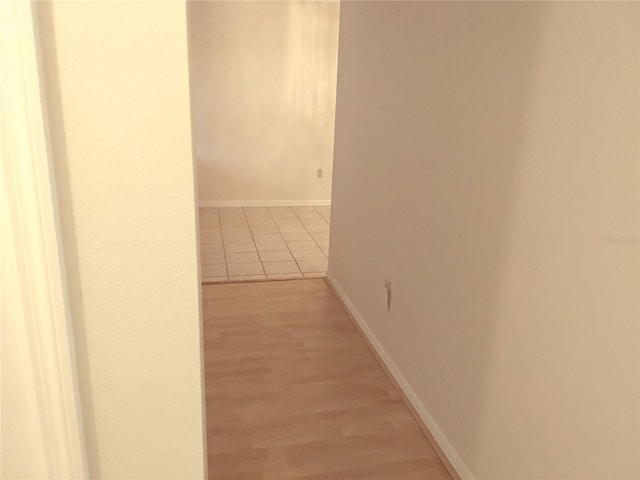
{"points": [[274, 243]]}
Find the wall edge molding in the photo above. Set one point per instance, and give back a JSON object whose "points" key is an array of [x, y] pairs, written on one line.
{"points": [[33, 239], [263, 203], [444, 449]]}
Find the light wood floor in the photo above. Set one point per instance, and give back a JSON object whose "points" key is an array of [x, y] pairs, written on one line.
{"points": [[293, 391]]}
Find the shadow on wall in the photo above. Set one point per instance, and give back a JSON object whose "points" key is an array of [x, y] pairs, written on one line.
{"points": [[451, 109], [460, 153], [46, 29], [471, 112], [456, 124]]}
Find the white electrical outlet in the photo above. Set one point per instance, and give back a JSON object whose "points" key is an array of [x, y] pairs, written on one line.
{"points": [[319, 173]]}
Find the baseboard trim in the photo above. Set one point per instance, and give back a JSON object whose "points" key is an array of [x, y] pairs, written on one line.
{"points": [[264, 203], [443, 448]]}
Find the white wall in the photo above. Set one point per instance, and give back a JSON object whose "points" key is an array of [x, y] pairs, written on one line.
{"points": [[263, 79], [482, 152], [116, 77]]}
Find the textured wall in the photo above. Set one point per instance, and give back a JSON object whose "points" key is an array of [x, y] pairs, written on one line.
{"points": [[263, 86], [483, 151], [117, 85]]}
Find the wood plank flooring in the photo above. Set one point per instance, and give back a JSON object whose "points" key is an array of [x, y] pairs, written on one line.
{"points": [[293, 392]]}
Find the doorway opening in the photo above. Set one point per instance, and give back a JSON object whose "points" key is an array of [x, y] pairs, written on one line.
{"points": [[263, 92]]}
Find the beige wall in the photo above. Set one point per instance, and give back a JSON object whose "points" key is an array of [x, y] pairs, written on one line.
{"points": [[263, 78], [22, 449], [23, 453], [117, 85], [483, 151]]}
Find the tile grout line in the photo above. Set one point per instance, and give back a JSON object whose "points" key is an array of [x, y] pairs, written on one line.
{"points": [[329, 224], [312, 238], [224, 253], [315, 207], [310, 234], [244, 214], [202, 264], [285, 242]]}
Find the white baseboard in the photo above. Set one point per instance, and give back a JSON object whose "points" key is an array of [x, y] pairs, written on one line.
{"points": [[437, 434], [264, 203]]}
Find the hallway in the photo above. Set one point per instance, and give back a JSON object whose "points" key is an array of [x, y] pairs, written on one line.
{"points": [[292, 391]]}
